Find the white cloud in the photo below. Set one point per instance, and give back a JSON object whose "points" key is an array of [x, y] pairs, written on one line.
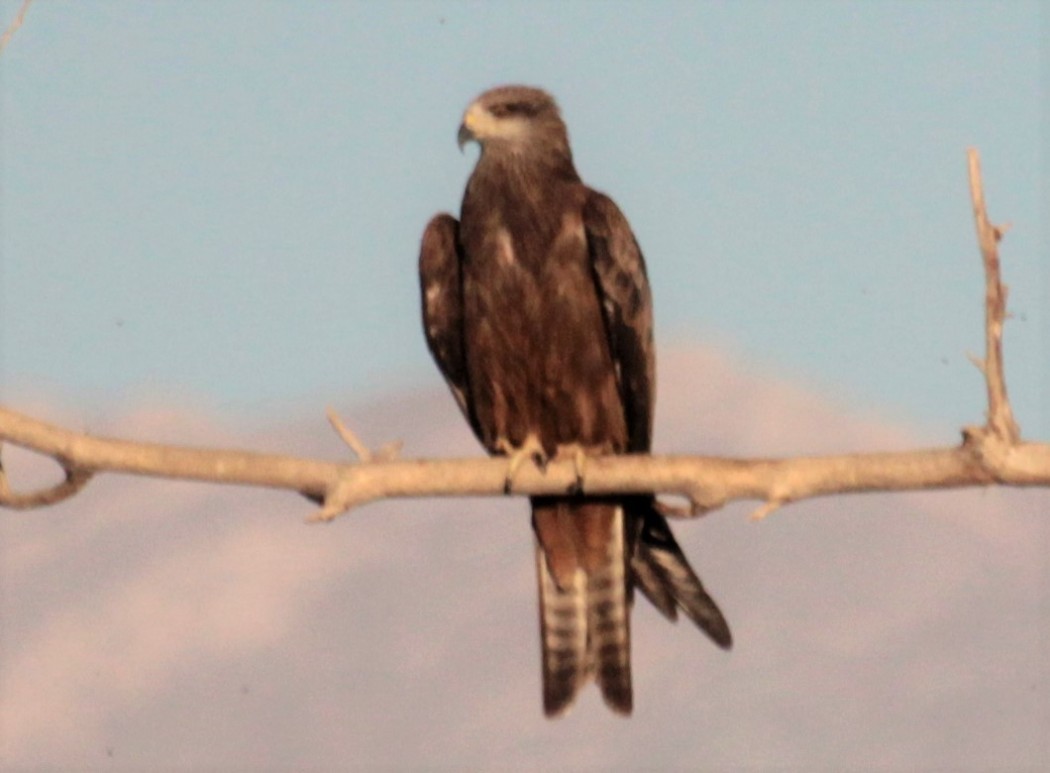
{"points": [[153, 623]]}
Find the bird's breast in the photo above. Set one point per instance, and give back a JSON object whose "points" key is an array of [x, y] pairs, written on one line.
{"points": [[537, 349]]}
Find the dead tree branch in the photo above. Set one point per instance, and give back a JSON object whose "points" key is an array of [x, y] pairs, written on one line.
{"points": [[1000, 418], [992, 454], [13, 27]]}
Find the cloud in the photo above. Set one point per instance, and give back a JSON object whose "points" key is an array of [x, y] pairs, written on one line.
{"points": [[151, 623]]}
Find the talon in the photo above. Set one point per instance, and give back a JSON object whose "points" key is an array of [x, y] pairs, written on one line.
{"points": [[578, 454], [514, 463], [579, 465], [530, 449]]}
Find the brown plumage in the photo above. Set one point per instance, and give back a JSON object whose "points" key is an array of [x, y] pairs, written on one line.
{"points": [[536, 307]]}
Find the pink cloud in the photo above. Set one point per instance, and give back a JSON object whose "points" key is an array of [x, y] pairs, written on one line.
{"points": [[152, 623]]}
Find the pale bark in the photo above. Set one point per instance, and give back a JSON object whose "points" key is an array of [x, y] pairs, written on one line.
{"points": [[990, 454]]}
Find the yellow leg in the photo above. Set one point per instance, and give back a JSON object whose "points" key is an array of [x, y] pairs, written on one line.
{"points": [[579, 466], [578, 454], [531, 450]]}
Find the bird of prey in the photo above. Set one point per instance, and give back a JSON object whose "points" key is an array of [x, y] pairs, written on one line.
{"points": [[536, 308]]}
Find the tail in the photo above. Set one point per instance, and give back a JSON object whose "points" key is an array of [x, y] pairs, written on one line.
{"points": [[589, 554], [660, 570], [584, 625]]}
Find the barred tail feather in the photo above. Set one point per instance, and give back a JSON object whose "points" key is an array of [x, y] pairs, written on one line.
{"points": [[608, 623], [584, 626], [663, 574], [584, 590], [563, 637]]}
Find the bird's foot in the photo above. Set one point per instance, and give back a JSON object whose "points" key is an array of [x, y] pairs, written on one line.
{"points": [[531, 450], [578, 455]]}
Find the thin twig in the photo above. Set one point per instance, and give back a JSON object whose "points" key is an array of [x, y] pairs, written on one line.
{"points": [[353, 441], [13, 27], [1000, 418], [766, 509], [75, 481]]}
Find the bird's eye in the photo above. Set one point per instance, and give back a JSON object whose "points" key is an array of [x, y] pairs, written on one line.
{"points": [[507, 109]]}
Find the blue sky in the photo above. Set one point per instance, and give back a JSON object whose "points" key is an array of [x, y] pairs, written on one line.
{"points": [[215, 208], [221, 203]]}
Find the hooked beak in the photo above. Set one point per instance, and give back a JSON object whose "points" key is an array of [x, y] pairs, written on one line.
{"points": [[464, 136]]}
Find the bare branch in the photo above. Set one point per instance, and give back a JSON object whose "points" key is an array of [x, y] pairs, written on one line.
{"points": [[90, 454], [989, 455], [13, 27], [1000, 416], [708, 482], [766, 509], [360, 449], [74, 481]]}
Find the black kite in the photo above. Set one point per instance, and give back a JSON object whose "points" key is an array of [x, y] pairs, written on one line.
{"points": [[536, 307]]}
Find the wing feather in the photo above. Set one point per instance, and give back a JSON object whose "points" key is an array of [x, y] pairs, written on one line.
{"points": [[619, 271], [662, 572], [657, 565], [441, 286]]}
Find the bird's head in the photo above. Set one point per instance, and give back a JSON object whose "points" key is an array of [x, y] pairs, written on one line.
{"points": [[514, 118]]}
